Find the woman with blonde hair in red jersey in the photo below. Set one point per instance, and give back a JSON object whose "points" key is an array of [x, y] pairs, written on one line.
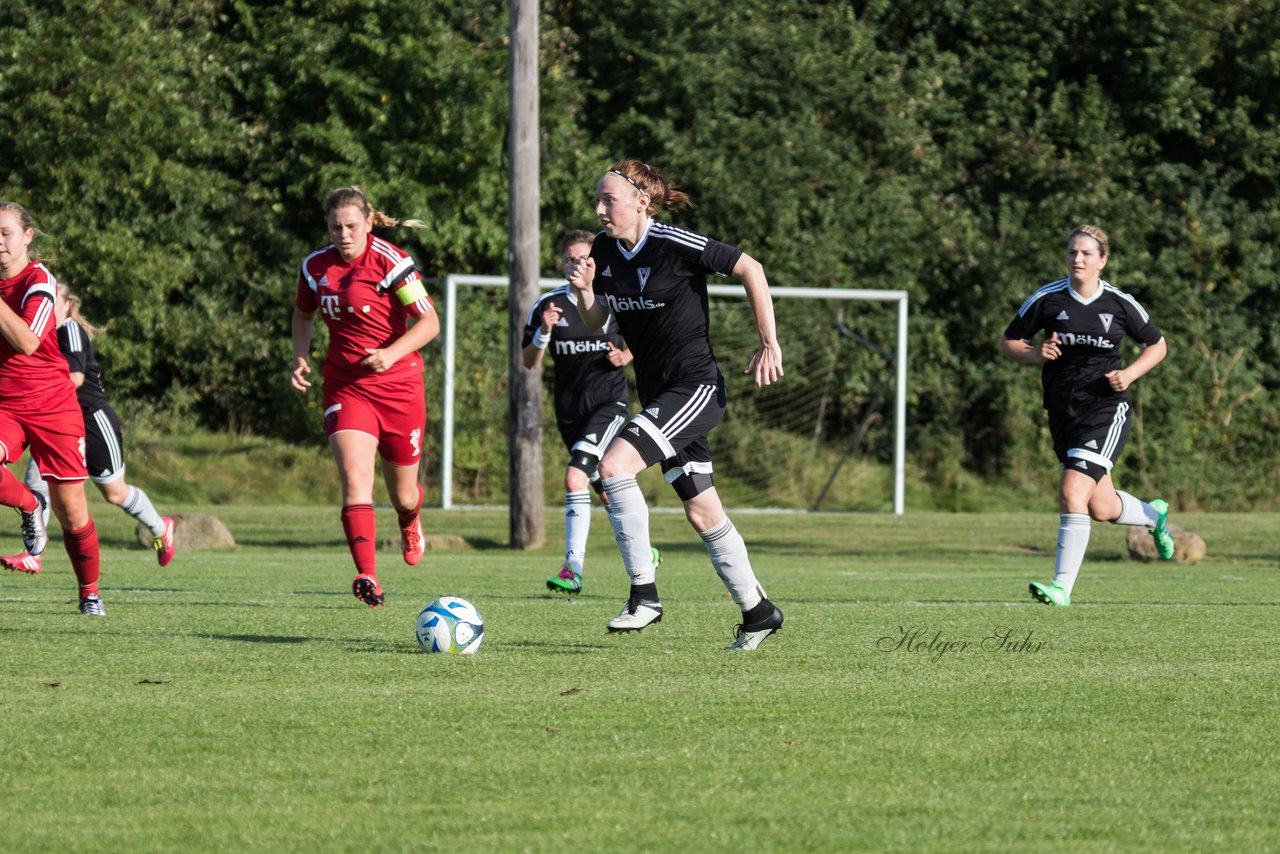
{"points": [[367, 290], [38, 407]]}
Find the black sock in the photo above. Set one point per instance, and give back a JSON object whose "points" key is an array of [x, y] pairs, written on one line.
{"points": [[758, 613], [644, 592]]}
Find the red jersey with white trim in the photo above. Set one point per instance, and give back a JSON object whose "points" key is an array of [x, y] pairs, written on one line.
{"points": [[361, 302], [41, 380]]}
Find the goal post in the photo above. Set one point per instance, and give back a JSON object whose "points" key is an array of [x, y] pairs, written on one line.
{"points": [[785, 421]]}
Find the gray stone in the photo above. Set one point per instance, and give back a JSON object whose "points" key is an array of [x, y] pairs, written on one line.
{"points": [[193, 531], [1188, 547], [432, 543]]}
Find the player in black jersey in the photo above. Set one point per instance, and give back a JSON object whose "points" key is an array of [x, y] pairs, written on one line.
{"points": [[590, 400], [1085, 320], [650, 278], [103, 438]]}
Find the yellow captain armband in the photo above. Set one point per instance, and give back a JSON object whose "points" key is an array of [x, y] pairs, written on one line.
{"points": [[411, 291]]}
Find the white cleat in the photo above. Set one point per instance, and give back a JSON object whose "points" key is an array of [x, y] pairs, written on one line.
{"points": [[34, 535], [749, 636], [635, 616]]}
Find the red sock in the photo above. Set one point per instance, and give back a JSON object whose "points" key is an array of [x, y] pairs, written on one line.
{"points": [[407, 517], [14, 493], [82, 548], [360, 526]]}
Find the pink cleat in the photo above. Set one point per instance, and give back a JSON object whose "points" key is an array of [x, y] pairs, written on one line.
{"points": [[28, 563], [164, 543]]}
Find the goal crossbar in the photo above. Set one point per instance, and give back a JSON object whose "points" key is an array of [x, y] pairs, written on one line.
{"points": [[453, 281]]}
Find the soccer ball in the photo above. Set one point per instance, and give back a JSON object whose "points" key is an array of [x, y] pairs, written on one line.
{"points": [[451, 625]]}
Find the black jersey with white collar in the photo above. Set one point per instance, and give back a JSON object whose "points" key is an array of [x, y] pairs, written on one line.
{"points": [[77, 349], [658, 294], [585, 379], [1090, 332]]}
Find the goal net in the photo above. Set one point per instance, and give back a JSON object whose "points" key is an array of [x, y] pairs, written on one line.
{"points": [[829, 436]]}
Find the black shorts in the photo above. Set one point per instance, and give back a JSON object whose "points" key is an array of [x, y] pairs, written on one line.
{"points": [[586, 437], [672, 429], [103, 445], [1090, 440]]}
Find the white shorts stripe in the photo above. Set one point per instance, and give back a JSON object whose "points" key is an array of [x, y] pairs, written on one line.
{"points": [[1091, 456], [642, 421], [597, 448], [690, 411], [114, 452], [1117, 427], [691, 467]]}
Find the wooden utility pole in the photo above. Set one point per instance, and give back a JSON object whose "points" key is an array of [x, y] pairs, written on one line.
{"points": [[524, 431]]}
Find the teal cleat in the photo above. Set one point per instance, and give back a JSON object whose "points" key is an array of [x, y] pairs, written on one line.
{"points": [[1160, 533], [1052, 593]]}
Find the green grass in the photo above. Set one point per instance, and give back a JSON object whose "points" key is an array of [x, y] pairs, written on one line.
{"points": [[243, 700]]}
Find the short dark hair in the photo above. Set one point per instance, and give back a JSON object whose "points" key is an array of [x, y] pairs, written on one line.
{"points": [[577, 235]]}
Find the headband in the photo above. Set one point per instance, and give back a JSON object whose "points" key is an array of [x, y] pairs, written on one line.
{"points": [[629, 180]]}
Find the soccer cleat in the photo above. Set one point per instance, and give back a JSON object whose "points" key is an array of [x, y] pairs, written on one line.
{"points": [[34, 535], [164, 543], [1160, 533], [367, 589], [655, 554], [412, 542], [635, 615], [749, 635], [1052, 593], [91, 606], [567, 581], [24, 562]]}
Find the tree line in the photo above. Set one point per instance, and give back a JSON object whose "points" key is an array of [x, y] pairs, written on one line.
{"points": [[175, 158]]}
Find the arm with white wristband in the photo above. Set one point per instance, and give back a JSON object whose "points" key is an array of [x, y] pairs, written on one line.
{"points": [[541, 338]]}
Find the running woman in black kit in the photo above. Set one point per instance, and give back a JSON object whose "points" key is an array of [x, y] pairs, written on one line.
{"points": [[1085, 320], [650, 278], [590, 401]]}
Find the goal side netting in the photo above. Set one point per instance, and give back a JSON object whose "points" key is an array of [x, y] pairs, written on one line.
{"points": [[829, 436]]}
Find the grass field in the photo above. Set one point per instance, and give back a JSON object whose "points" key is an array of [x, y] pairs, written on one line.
{"points": [[243, 700]]}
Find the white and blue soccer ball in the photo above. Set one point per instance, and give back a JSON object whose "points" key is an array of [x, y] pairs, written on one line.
{"points": [[450, 625]]}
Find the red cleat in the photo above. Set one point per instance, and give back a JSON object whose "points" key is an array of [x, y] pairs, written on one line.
{"points": [[413, 542], [367, 589], [28, 563]]}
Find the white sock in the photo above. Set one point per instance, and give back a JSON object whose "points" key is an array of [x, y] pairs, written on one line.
{"points": [[139, 506], [577, 522], [629, 516], [1073, 541], [729, 557], [1135, 512]]}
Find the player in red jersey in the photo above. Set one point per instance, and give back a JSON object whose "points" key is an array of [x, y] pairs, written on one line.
{"points": [[104, 437], [367, 289], [38, 407]]}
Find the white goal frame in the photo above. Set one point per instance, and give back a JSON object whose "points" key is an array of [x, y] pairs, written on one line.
{"points": [[453, 281]]}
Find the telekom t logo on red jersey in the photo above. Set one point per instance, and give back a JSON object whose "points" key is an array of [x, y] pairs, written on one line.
{"points": [[329, 306]]}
